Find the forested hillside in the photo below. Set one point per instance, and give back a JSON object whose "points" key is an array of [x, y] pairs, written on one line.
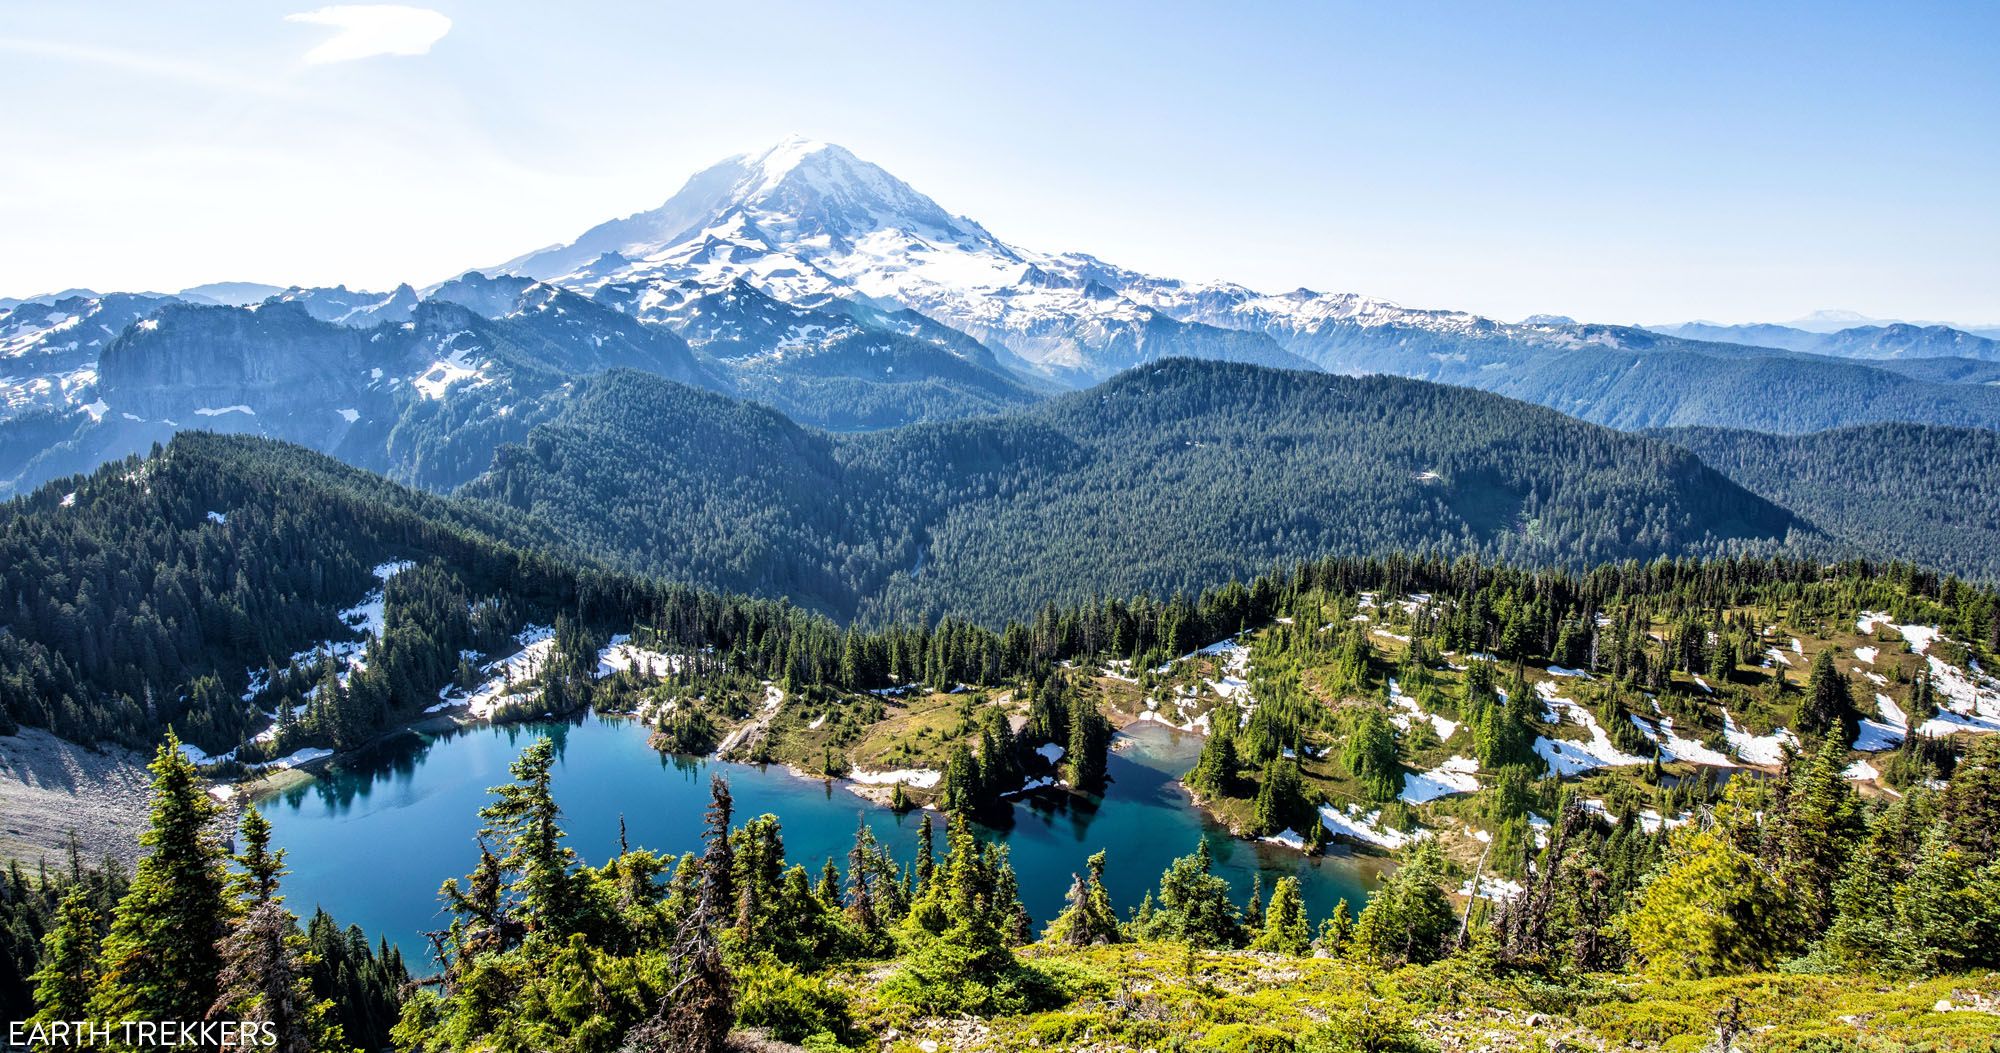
{"points": [[1922, 493], [1171, 477], [1622, 389], [230, 584]]}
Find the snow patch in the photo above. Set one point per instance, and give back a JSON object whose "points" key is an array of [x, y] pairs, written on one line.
{"points": [[1453, 776], [1756, 749], [1366, 829], [1414, 712], [1678, 748], [1566, 757], [921, 778]]}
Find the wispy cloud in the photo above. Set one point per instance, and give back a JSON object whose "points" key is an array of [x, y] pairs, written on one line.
{"points": [[367, 30]]}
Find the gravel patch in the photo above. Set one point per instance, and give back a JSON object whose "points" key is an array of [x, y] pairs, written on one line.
{"points": [[50, 787]]}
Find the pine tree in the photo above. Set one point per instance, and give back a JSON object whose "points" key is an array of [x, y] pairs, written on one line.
{"points": [[1214, 772], [1285, 928], [1194, 905], [1710, 910], [1409, 918], [961, 924], [1819, 827], [827, 890], [525, 820], [1089, 739], [1946, 914], [68, 970], [1089, 918], [262, 867], [1048, 713], [1281, 800], [264, 969], [862, 908], [1370, 753], [700, 1005], [159, 961], [961, 781], [926, 852], [1828, 706], [1336, 930]]}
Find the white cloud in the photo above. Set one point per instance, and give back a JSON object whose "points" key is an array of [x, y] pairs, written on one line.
{"points": [[367, 30]]}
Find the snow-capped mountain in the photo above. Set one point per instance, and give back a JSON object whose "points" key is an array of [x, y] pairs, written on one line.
{"points": [[353, 308], [49, 349], [1893, 340], [806, 222], [815, 282], [815, 229]]}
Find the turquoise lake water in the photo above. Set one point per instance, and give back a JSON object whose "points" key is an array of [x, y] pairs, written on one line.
{"points": [[372, 840]]}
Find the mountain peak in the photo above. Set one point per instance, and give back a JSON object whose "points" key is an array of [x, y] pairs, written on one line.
{"points": [[788, 154], [798, 189]]}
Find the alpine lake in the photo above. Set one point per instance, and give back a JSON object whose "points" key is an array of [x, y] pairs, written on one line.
{"points": [[372, 838]]}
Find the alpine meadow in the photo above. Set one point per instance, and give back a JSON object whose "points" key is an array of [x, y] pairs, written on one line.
{"points": [[793, 616]]}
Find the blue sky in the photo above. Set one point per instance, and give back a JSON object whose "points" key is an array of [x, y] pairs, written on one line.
{"points": [[1617, 162]]}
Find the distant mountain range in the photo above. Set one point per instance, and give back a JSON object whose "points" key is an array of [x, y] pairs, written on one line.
{"points": [[1890, 340], [811, 281]]}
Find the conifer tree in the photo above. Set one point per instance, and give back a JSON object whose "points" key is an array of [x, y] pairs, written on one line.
{"points": [[1089, 917], [1710, 910], [1369, 754], [1828, 706], [264, 972], [699, 1006], [962, 923], [827, 890], [1281, 800], [1946, 913], [1817, 831], [1194, 905], [1285, 928], [68, 970], [525, 820], [159, 961], [1409, 918], [1214, 772], [926, 852], [1089, 738], [1336, 930], [961, 781]]}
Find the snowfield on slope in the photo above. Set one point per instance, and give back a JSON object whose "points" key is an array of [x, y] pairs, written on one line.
{"points": [[1567, 757]]}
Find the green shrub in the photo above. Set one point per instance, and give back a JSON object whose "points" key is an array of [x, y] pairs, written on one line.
{"points": [[1372, 1030], [1243, 1038], [792, 1006]]}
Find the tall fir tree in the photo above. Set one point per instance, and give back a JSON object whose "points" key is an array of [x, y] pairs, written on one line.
{"points": [[68, 972], [1286, 930], [160, 961]]}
